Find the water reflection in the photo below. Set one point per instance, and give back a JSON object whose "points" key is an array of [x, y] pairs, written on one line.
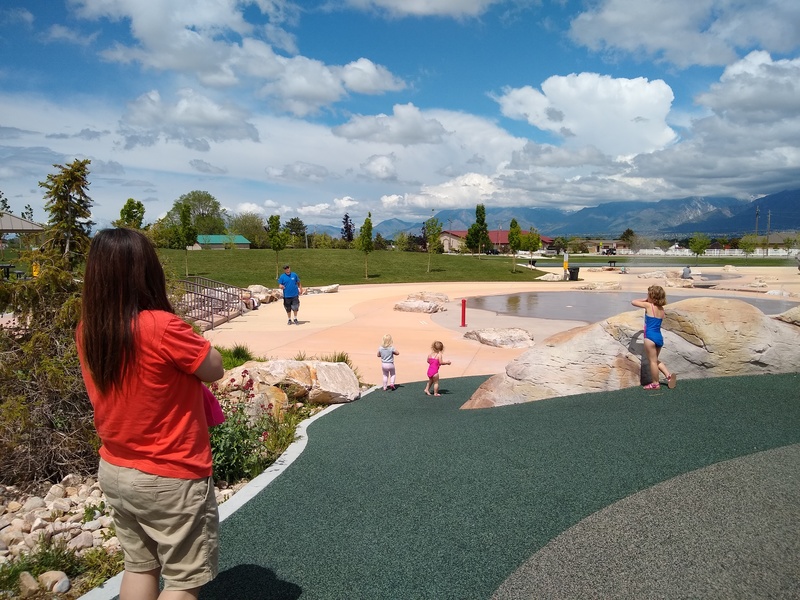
{"points": [[594, 306]]}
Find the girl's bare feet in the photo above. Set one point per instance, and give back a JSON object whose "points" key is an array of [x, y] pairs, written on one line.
{"points": [[427, 393]]}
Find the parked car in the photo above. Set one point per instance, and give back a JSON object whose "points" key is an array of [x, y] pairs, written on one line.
{"points": [[610, 251], [492, 251]]}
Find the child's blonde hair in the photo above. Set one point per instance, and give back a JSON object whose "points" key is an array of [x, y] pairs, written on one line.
{"points": [[657, 295], [387, 341], [437, 346]]}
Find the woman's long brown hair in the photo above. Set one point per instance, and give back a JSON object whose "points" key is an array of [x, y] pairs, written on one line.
{"points": [[123, 277]]}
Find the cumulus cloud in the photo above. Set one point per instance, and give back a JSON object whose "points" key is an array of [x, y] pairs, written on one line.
{"points": [[406, 126], [688, 32], [204, 167], [328, 209], [365, 77], [214, 42], [59, 33], [619, 116], [427, 8], [381, 167], [16, 16], [193, 120], [466, 190], [301, 171]]}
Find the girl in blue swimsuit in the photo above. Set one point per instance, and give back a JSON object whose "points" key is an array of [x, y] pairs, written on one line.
{"points": [[653, 307]]}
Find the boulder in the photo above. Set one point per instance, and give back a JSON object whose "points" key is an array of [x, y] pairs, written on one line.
{"points": [[600, 285], [701, 339], [418, 306], [511, 337], [550, 277]]}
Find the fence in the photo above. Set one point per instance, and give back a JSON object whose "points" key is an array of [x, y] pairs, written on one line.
{"points": [[208, 303]]}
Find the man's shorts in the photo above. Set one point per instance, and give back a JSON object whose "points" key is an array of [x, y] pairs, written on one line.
{"points": [[164, 522], [291, 304]]}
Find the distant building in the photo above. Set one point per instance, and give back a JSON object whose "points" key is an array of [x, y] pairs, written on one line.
{"points": [[221, 242], [453, 241]]}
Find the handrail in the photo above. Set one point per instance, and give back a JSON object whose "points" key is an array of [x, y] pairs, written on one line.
{"points": [[208, 301]]}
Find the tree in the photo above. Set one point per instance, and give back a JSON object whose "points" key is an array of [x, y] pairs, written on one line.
{"points": [[560, 244], [297, 229], [514, 242], [208, 216], [380, 242], [278, 239], [628, 236], [401, 241], [4, 208], [364, 242], [698, 244], [186, 232], [69, 206], [478, 233], [131, 215], [531, 242], [433, 231], [348, 231], [748, 244], [251, 226]]}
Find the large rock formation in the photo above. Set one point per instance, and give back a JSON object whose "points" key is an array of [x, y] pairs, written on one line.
{"points": [[703, 337]]}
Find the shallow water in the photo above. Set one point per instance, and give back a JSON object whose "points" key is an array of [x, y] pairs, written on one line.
{"points": [[593, 306]]}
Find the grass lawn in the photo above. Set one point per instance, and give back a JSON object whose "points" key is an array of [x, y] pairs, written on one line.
{"points": [[318, 267]]}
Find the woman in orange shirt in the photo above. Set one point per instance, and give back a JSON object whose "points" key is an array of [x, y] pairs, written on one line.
{"points": [[143, 367]]}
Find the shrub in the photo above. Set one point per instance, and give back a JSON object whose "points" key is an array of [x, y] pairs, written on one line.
{"points": [[244, 445], [236, 356]]}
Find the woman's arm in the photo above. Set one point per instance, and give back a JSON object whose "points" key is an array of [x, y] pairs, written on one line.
{"points": [[211, 367]]}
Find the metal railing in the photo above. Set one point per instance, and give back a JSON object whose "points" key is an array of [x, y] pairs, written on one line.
{"points": [[207, 302]]}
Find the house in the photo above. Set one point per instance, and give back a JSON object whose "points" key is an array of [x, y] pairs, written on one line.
{"points": [[453, 241], [604, 246], [221, 242]]}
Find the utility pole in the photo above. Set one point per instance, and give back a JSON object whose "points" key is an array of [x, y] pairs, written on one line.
{"points": [[769, 215], [758, 209]]}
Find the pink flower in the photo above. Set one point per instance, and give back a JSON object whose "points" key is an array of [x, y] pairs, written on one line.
{"points": [[269, 406], [245, 372]]}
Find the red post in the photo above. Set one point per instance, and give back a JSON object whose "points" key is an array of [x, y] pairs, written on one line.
{"points": [[463, 312]]}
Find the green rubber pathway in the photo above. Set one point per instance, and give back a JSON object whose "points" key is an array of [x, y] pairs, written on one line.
{"points": [[400, 495]]}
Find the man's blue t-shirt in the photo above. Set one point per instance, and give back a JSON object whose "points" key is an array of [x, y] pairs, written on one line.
{"points": [[289, 283]]}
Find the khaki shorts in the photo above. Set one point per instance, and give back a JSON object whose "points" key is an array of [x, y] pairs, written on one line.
{"points": [[166, 523]]}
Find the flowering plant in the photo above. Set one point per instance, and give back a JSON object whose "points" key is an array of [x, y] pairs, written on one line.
{"points": [[244, 444]]}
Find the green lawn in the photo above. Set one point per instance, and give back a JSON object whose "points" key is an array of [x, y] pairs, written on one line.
{"points": [[318, 267]]}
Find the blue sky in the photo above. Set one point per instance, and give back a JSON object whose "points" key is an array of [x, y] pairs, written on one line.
{"points": [[399, 107]]}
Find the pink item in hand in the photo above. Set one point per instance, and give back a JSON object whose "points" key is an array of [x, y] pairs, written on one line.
{"points": [[214, 414]]}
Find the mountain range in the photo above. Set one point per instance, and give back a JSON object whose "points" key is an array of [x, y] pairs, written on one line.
{"points": [[664, 219]]}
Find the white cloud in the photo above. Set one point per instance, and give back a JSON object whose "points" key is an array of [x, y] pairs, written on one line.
{"points": [[381, 167], [193, 120], [427, 8], [466, 190], [365, 77], [204, 167], [407, 126], [212, 41], [17, 15], [618, 116], [59, 33], [689, 32]]}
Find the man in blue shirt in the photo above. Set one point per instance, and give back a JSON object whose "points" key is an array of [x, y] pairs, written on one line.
{"points": [[290, 284]]}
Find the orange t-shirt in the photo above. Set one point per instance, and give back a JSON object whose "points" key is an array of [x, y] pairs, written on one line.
{"points": [[156, 422]]}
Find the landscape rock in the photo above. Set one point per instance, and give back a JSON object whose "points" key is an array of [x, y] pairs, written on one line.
{"points": [[420, 306], [790, 316], [512, 337], [701, 339], [28, 586], [600, 286], [550, 277], [54, 581]]}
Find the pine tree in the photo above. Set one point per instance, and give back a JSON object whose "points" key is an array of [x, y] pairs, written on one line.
{"points": [[69, 206]]}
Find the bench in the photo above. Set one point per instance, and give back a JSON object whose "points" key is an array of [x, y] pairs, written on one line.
{"points": [[19, 274], [612, 263]]}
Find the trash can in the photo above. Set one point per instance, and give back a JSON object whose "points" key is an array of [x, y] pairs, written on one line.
{"points": [[573, 273]]}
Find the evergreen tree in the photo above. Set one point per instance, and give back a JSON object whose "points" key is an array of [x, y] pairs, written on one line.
{"points": [[478, 232], [348, 231], [69, 206], [364, 242], [514, 242]]}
